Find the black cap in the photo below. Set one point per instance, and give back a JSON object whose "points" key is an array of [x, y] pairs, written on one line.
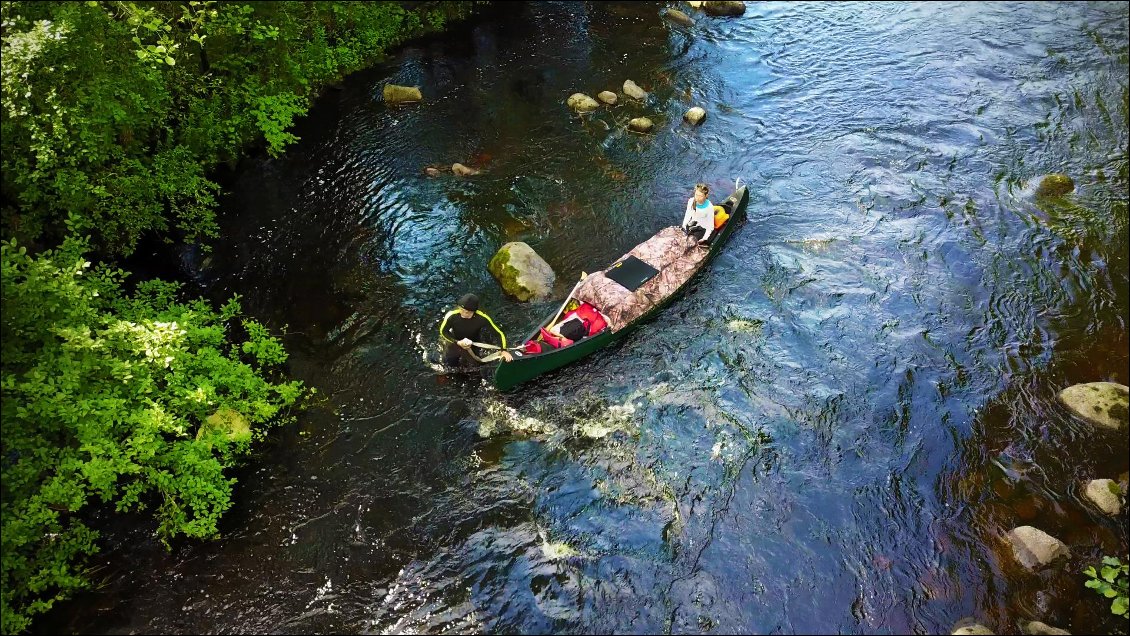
{"points": [[470, 302]]}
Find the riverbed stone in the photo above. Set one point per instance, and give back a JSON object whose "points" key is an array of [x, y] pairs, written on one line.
{"points": [[432, 171], [228, 421], [695, 115], [631, 89], [713, 7], [695, 4], [463, 171], [1036, 628], [1105, 494], [641, 124], [521, 272], [582, 103], [678, 17], [1035, 548], [394, 94], [608, 97], [1105, 404], [970, 627], [1054, 185]]}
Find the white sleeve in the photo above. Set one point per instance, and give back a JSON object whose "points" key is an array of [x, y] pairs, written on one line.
{"points": [[690, 211]]}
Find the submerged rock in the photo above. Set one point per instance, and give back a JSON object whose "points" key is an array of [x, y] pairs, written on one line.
{"points": [[1035, 548], [582, 103], [678, 17], [521, 272], [1104, 493], [432, 171], [1036, 628], [1105, 404], [712, 7], [463, 171], [634, 91], [695, 115], [608, 97], [1055, 185], [394, 94]]}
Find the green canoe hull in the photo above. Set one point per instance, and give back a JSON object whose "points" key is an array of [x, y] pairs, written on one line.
{"points": [[523, 369]]}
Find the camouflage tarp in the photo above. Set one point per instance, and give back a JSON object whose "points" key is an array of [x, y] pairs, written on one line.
{"points": [[670, 252]]}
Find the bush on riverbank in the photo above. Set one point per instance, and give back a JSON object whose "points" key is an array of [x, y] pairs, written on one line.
{"points": [[115, 112], [109, 399], [113, 116]]}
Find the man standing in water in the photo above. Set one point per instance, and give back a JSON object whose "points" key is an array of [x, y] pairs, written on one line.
{"points": [[464, 325]]}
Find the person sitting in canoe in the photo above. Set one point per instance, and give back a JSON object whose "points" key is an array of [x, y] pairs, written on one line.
{"points": [[462, 327], [699, 218]]}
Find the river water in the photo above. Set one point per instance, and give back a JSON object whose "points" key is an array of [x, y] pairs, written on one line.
{"points": [[828, 432]]}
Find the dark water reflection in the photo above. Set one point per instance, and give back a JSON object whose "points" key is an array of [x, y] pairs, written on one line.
{"points": [[826, 434]]}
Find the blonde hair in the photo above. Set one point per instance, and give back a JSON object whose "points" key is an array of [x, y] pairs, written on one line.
{"points": [[703, 187]]}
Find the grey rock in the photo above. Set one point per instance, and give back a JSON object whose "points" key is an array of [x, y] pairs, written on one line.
{"points": [[1104, 493], [634, 91], [1035, 548]]}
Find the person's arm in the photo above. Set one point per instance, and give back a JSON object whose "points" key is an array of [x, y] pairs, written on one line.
{"points": [[689, 212], [443, 328], [709, 225], [501, 336]]}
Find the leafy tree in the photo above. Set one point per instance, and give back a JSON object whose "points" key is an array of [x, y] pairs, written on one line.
{"points": [[115, 112], [136, 402]]}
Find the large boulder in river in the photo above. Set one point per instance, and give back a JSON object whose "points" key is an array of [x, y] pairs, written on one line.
{"points": [[394, 94], [521, 272], [634, 91], [1104, 493], [641, 124], [1054, 185], [695, 115], [1105, 404], [608, 97], [678, 17], [582, 103], [723, 8], [1035, 548]]}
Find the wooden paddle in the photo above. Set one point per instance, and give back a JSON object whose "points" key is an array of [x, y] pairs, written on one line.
{"points": [[558, 314]]}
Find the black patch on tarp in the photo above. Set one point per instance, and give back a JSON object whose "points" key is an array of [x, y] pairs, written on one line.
{"points": [[631, 272]]}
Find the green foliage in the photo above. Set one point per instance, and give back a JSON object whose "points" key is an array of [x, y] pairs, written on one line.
{"points": [[1112, 581], [105, 400], [114, 112]]}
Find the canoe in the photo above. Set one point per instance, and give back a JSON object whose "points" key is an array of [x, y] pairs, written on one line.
{"points": [[526, 367]]}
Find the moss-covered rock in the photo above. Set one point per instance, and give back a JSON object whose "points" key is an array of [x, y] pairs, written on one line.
{"points": [[1054, 185], [582, 103], [1105, 404], [521, 272], [394, 94], [228, 421], [641, 124]]}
